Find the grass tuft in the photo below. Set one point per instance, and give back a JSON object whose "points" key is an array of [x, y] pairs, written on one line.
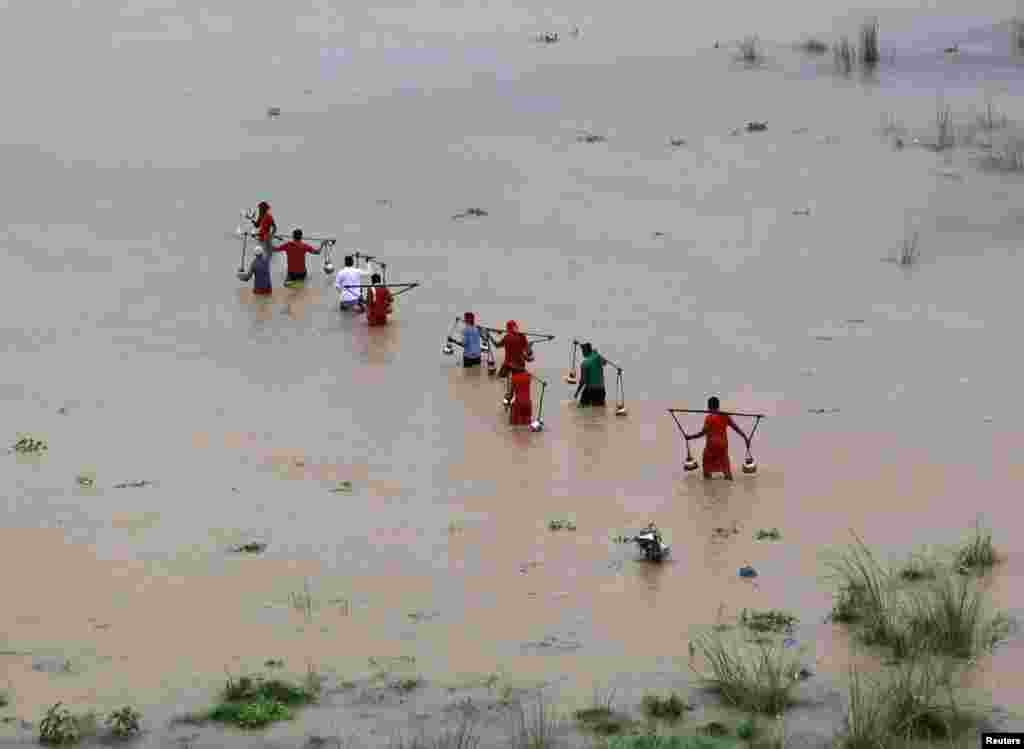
{"points": [[978, 553], [869, 52], [756, 678], [813, 47], [669, 708], [534, 725], [750, 50], [256, 703], [845, 55], [768, 621]]}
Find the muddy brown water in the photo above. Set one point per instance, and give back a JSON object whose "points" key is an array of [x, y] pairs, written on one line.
{"points": [[245, 413]]}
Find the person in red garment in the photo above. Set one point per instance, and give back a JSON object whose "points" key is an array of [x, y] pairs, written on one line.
{"points": [[266, 228], [296, 251], [515, 345], [716, 449], [379, 304], [521, 410]]}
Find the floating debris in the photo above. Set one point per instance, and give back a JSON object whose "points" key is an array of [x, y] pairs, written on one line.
{"points": [[756, 127], [553, 642], [725, 532], [558, 524], [342, 487], [250, 547], [475, 212], [801, 211], [548, 37], [62, 411], [424, 616], [855, 321], [273, 111], [29, 445], [772, 535], [657, 235], [748, 571], [677, 142], [133, 484], [527, 566], [85, 480], [822, 410], [823, 338], [591, 138]]}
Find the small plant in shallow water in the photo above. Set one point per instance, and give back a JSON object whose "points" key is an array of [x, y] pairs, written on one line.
{"points": [[26, 444], [845, 54], [124, 722], [342, 487], [669, 708], [813, 47], [61, 726], [869, 52], [909, 252], [768, 621], [750, 50], [255, 703], [769, 535], [303, 602], [558, 524]]}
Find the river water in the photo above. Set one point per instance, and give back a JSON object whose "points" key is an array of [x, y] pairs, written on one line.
{"points": [[133, 137]]}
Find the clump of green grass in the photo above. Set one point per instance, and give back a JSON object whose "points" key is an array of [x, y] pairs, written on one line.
{"points": [[768, 535], [756, 678], [951, 619], [916, 702], [750, 50], [599, 715], [768, 621], [978, 553], [558, 524], [869, 52], [862, 585], [669, 708], [61, 726], [124, 722], [407, 684], [918, 568], [845, 55], [303, 602], [256, 703], [26, 444], [745, 730]]}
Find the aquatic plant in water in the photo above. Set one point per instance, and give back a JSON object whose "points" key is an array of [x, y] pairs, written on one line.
{"points": [[124, 722]]}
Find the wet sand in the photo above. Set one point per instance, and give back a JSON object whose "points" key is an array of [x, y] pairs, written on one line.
{"points": [[246, 412]]}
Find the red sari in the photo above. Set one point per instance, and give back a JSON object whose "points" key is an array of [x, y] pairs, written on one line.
{"points": [[379, 306], [521, 410], [716, 445]]}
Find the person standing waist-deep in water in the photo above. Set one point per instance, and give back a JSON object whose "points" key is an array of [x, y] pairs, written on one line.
{"points": [[470, 341], [350, 298], [378, 304], [259, 271], [591, 388], [521, 408], [515, 345], [296, 250], [266, 228], [716, 449]]}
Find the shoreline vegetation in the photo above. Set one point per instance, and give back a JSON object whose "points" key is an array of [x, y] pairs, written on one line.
{"points": [[927, 621]]}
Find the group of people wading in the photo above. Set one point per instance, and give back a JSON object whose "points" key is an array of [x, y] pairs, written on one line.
{"points": [[518, 351], [348, 282]]}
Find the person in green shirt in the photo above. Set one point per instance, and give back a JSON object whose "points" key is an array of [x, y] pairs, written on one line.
{"points": [[591, 388]]}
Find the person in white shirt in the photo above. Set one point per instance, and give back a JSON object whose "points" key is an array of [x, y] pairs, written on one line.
{"points": [[350, 299]]}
